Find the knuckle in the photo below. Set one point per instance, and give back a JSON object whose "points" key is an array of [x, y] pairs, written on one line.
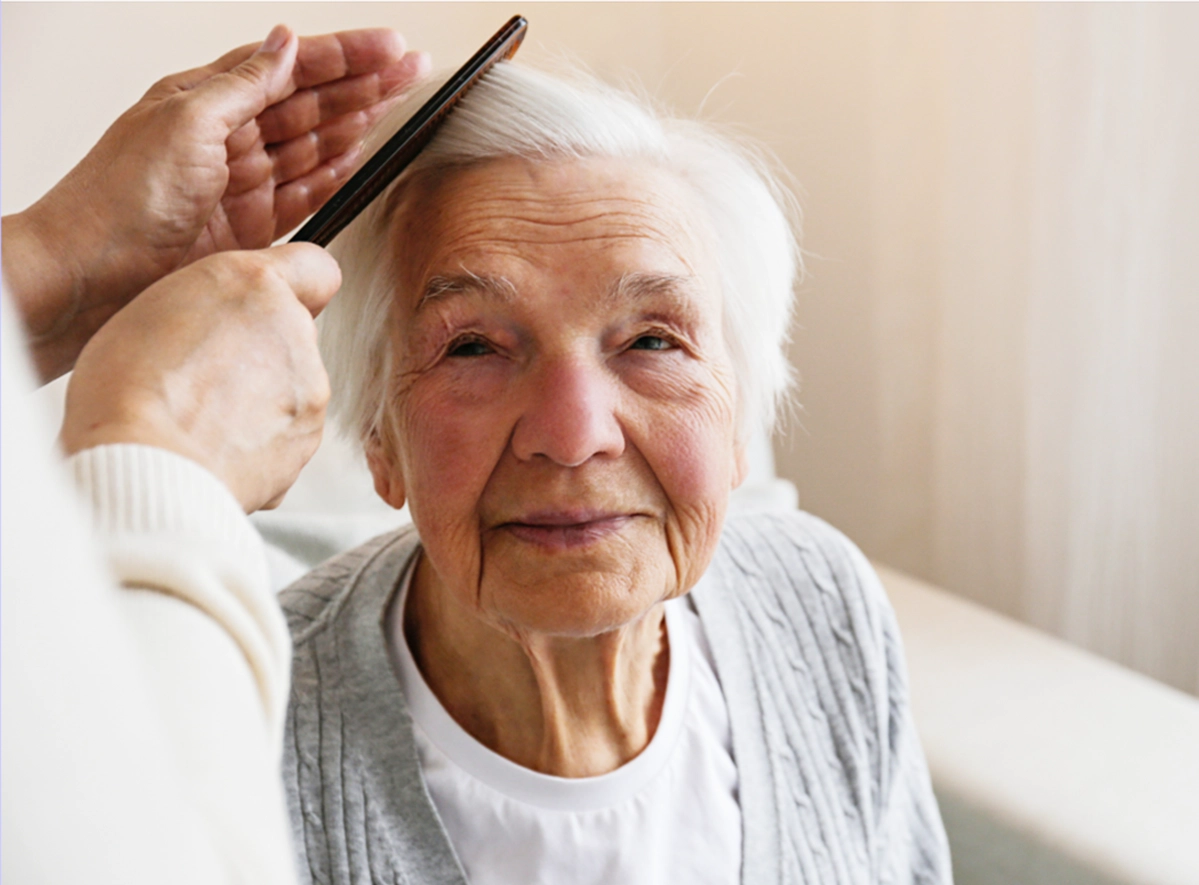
{"points": [[244, 277], [321, 392], [310, 390], [249, 72], [261, 275], [189, 111], [166, 86]]}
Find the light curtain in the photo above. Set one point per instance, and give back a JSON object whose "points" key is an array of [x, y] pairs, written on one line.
{"points": [[1034, 182]]}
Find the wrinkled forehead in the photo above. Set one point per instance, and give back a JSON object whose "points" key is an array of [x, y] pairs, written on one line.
{"points": [[615, 215]]}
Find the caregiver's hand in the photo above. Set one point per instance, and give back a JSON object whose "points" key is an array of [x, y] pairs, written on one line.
{"points": [[228, 156], [217, 362]]}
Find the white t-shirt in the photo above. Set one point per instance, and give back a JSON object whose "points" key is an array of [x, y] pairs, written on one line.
{"points": [[669, 815]]}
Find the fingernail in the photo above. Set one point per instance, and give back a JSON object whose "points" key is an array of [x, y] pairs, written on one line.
{"points": [[275, 39]]}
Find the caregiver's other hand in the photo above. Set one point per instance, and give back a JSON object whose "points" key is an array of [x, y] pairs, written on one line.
{"points": [[231, 155], [217, 362]]}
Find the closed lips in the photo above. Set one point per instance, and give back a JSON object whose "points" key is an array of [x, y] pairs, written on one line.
{"points": [[566, 529]]}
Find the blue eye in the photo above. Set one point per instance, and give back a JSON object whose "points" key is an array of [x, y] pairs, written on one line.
{"points": [[469, 347], [652, 342]]}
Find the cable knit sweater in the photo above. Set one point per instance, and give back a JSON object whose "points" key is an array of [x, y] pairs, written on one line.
{"points": [[833, 785], [144, 664]]}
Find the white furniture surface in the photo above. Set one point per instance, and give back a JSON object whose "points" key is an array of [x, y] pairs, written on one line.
{"points": [[1051, 765]]}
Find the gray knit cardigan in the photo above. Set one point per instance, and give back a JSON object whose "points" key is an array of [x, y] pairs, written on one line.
{"points": [[833, 785]]}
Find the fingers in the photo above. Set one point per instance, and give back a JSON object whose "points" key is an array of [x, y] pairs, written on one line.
{"points": [[298, 199], [189, 79], [240, 94], [274, 210], [310, 107], [315, 125], [346, 54], [318, 60], [308, 270], [342, 125], [298, 157]]}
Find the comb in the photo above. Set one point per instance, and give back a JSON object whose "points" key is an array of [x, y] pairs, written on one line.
{"points": [[402, 148]]}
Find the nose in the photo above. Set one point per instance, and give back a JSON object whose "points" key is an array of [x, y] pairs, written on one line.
{"points": [[570, 414]]}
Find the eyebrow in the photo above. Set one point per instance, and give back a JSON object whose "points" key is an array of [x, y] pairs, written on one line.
{"points": [[641, 286], [440, 286]]}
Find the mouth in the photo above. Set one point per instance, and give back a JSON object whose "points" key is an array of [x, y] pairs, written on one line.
{"points": [[566, 530]]}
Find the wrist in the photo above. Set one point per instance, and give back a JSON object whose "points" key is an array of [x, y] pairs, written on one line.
{"points": [[148, 428], [46, 263], [40, 273]]}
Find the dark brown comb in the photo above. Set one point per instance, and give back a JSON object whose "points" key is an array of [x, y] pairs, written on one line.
{"points": [[401, 149]]}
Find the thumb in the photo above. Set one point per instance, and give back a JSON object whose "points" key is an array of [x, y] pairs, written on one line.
{"points": [[240, 94], [311, 273]]}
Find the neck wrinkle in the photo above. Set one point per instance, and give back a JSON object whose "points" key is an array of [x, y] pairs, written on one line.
{"points": [[567, 707]]}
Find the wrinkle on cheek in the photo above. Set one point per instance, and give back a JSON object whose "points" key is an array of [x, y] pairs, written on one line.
{"points": [[697, 473], [687, 384], [692, 537], [447, 462]]}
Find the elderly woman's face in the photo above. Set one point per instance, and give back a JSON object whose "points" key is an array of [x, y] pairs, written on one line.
{"points": [[561, 417]]}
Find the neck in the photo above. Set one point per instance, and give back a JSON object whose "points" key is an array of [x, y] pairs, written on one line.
{"points": [[565, 706]]}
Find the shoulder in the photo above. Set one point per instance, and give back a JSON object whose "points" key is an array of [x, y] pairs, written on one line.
{"points": [[809, 657], [796, 553], [766, 534], [313, 602], [796, 593]]}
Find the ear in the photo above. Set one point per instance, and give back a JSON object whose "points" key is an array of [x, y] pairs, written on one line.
{"points": [[389, 482], [740, 462]]}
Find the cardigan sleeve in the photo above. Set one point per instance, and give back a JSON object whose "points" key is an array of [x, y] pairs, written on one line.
{"points": [[833, 783], [909, 843], [169, 526]]}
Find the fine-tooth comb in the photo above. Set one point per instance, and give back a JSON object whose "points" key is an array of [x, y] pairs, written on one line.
{"points": [[401, 149]]}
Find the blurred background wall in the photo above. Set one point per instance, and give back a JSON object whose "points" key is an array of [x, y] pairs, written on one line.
{"points": [[999, 333]]}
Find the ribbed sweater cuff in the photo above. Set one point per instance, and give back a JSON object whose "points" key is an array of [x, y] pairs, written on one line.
{"points": [[145, 490], [169, 525]]}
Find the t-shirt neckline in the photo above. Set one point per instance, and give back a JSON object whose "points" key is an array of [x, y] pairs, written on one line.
{"points": [[523, 784]]}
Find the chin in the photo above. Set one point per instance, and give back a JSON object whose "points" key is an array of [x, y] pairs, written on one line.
{"points": [[578, 602]]}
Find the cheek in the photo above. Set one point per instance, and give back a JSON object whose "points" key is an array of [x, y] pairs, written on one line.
{"points": [[689, 445], [686, 425], [450, 424], [696, 476], [693, 460], [449, 445]]}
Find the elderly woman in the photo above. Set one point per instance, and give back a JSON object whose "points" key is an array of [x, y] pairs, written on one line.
{"points": [[554, 338]]}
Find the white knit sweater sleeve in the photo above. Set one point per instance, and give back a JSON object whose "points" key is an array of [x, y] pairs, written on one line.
{"points": [[169, 525], [216, 648], [144, 666]]}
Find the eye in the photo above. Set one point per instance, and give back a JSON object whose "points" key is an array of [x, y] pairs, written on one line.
{"points": [[468, 347], [652, 342]]}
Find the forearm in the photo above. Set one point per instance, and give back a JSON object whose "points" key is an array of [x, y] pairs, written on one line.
{"points": [[44, 275]]}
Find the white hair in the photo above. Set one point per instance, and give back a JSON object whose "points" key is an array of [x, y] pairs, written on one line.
{"points": [[515, 111]]}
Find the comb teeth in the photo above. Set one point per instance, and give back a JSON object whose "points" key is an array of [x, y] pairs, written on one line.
{"points": [[402, 148]]}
